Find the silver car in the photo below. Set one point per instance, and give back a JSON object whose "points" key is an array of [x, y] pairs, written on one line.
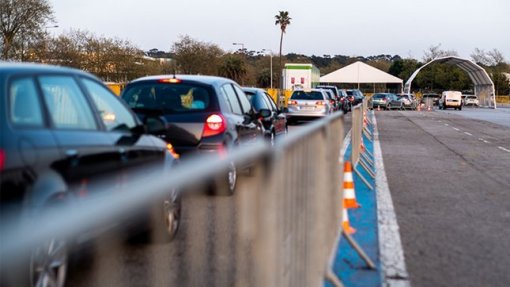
{"points": [[308, 104]]}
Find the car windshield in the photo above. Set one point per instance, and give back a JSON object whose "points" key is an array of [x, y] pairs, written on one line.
{"points": [[379, 96], [175, 98], [304, 95]]}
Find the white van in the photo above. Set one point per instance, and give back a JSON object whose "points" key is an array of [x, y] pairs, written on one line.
{"points": [[451, 99]]}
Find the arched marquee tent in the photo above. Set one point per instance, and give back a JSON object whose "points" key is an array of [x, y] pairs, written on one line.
{"points": [[484, 87]]}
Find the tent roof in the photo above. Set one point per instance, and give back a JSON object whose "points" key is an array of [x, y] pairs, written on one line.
{"points": [[359, 72]]}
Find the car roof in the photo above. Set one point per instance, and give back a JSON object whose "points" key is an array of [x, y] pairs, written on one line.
{"points": [[210, 80], [10, 67], [252, 89]]}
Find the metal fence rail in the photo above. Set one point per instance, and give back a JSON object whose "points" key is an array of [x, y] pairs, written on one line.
{"points": [[277, 230]]}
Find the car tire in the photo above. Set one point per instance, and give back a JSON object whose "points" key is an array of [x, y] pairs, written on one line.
{"points": [[225, 185], [53, 257]]}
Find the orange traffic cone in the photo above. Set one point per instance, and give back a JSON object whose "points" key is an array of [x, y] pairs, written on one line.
{"points": [[349, 192], [378, 108], [419, 108], [345, 223], [429, 109]]}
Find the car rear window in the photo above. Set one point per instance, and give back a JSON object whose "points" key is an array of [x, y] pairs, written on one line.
{"points": [[303, 95], [379, 96], [170, 97]]}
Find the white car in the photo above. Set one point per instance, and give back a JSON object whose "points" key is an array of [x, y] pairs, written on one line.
{"points": [[451, 99], [471, 100]]}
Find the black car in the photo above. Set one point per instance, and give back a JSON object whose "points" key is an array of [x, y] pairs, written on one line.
{"points": [[355, 96], [276, 123], [344, 100], [336, 94], [197, 114], [430, 99], [63, 132]]}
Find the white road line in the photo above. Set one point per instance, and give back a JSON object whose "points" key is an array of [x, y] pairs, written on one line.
{"points": [[503, 149], [486, 141], [446, 125], [393, 265], [456, 129], [469, 134]]}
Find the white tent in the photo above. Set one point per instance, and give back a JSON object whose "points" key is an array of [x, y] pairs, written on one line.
{"points": [[360, 73]]}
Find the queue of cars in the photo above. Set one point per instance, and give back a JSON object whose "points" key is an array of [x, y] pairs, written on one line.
{"points": [[64, 133]]}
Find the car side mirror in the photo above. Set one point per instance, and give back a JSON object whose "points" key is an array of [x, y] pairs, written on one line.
{"points": [[154, 124], [264, 113]]}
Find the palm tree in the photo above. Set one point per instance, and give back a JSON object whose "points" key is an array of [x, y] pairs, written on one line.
{"points": [[283, 20]]}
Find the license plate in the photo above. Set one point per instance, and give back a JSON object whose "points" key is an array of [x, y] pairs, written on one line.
{"points": [[307, 108]]}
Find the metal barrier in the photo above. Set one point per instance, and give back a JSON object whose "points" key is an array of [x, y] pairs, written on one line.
{"points": [[278, 229], [360, 155]]}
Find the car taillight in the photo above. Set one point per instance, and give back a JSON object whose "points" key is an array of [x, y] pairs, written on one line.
{"points": [[332, 102], [292, 103], [2, 159], [320, 103], [214, 125]]}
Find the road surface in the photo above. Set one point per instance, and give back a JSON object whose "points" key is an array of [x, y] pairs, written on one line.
{"points": [[449, 179]]}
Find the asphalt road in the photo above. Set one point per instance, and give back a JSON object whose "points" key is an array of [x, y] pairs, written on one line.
{"points": [[449, 179], [209, 249]]}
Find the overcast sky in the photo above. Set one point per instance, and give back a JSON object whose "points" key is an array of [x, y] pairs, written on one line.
{"points": [[318, 27]]}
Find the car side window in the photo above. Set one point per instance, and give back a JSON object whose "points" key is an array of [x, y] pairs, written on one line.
{"points": [[271, 102], [245, 103], [66, 103], [114, 115], [25, 107], [230, 96]]}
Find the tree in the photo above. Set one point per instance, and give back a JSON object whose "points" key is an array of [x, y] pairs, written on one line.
{"points": [[21, 20], [283, 20], [195, 57], [436, 52], [233, 67]]}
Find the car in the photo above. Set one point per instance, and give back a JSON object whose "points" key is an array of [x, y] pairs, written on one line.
{"points": [[332, 99], [408, 101], [387, 101], [64, 133], [308, 104], [355, 96], [451, 99], [471, 100], [274, 125], [336, 94], [344, 99], [430, 99], [198, 114]]}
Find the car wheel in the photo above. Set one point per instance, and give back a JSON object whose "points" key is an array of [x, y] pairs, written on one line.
{"points": [[232, 178], [48, 264], [49, 261], [271, 138], [172, 215]]}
